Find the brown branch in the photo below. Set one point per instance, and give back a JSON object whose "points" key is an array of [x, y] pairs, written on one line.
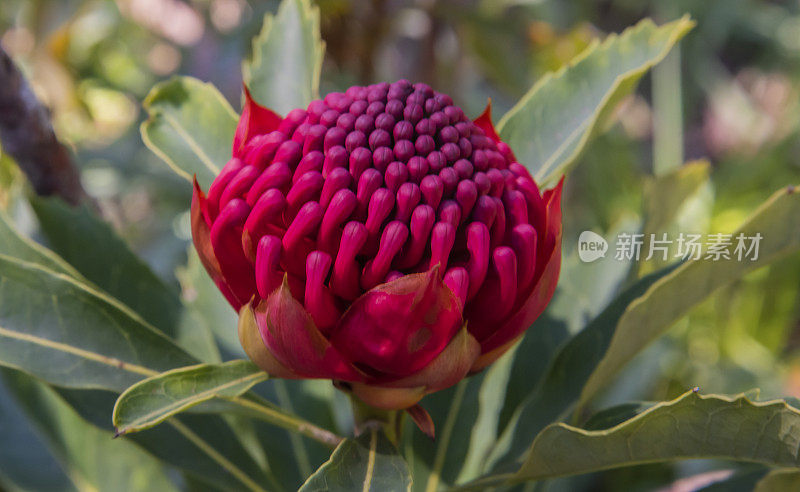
{"points": [[26, 134]]}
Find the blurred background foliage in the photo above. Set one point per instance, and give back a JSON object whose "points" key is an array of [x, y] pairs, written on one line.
{"points": [[731, 96]]}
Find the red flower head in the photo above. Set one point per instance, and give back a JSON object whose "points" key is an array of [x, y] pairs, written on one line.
{"points": [[380, 239]]}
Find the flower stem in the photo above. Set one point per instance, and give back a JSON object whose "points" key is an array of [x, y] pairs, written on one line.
{"points": [[289, 422], [366, 417]]}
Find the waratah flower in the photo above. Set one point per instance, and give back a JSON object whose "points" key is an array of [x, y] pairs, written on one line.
{"points": [[380, 239]]}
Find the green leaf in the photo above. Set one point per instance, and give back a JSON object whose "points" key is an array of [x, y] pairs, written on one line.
{"points": [[195, 336], [468, 415], [551, 124], [615, 415], [26, 463], [455, 412], [75, 233], [741, 481], [299, 396], [369, 462], [779, 481], [689, 427], [561, 385], [91, 246], [207, 306], [283, 72], [585, 289], [667, 194], [204, 446], [73, 336], [531, 360], [93, 460], [190, 126], [158, 398], [218, 387], [675, 202], [68, 334], [672, 297], [491, 396], [14, 244]]}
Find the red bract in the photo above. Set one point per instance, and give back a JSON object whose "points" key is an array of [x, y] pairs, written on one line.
{"points": [[380, 239]]}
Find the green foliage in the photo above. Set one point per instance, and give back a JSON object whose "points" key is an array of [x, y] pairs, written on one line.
{"points": [[14, 244], [74, 234], [207, 307], [156, 399], [568, 373], [284, 69], [190, 127], [483, 405], [551, 124], [89, 455], [28, 467], [777, 220], [530, 362], [89, 320], [193, 444], [692, 426], [778, 481], [369, 462], [667, 194], [439, 462], [68, 333]]}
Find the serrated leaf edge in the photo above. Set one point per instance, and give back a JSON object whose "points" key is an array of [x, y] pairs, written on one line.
{"points": [[307, 11], [592, 386], [679, 28], [154, 114]]}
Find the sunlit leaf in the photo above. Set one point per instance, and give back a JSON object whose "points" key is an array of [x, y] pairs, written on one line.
{"points": [[667, 194], [283, 72], [190, 126], [675, 202], [672, 297], [551, 124], [585, 289]]}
